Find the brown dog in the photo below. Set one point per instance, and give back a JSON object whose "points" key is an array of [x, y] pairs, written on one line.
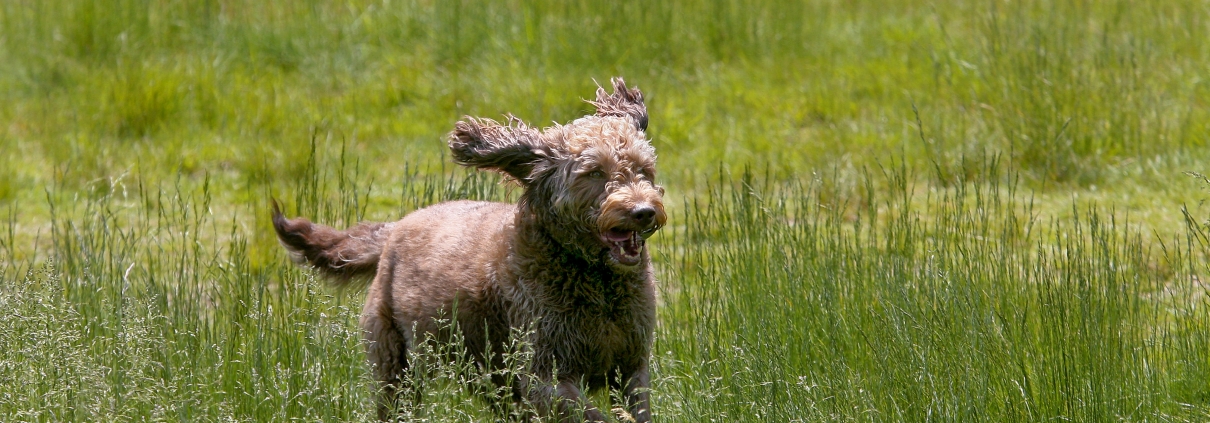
{"points": [[568, 262]]}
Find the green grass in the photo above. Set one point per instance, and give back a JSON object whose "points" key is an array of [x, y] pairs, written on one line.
{"points": [[963, 309], [959, 211]]}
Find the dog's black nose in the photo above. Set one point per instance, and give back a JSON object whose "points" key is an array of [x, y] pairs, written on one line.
{"points": [[643, 214]]}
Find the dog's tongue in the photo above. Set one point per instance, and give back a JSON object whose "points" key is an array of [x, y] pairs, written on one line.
{"points": [[624, 246], [615, 235]]}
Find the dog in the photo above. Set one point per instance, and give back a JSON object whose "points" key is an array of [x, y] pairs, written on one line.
{"points": [[568, 262]]}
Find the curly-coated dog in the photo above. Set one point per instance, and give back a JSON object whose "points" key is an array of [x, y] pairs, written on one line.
{"points": [[568, 262]]}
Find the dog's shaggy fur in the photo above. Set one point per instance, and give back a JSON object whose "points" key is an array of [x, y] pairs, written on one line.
{"points": [[568, 262]]}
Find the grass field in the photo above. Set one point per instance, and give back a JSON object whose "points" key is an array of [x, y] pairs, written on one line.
{"points": [[903, 211]]}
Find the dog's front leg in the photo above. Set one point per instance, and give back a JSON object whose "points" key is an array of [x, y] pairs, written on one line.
{"points": [[637, 394], [564, 400]]}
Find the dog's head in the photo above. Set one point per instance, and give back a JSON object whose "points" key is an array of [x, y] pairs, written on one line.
{"points": [[590, 184]]}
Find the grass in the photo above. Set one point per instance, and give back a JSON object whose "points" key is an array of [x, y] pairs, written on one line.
{"points": [[965, 309], [880, 212]]}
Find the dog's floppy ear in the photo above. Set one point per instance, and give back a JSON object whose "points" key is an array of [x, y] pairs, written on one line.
{"points": [[514, 148], [624, 102]]}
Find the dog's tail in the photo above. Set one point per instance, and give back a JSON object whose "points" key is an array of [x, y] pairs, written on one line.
{"points": [[342, 256]]}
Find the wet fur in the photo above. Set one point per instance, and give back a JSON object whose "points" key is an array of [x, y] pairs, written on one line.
{"points": [[541, 264]]}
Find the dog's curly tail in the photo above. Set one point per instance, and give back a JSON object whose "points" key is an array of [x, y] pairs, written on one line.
{"points": [[343, 257]]}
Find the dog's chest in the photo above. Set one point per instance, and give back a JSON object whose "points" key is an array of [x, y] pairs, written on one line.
{"points": [[589, 321], [606, 334], [606, 341]]}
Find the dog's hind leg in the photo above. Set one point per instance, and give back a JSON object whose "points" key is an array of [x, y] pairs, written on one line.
{"points": [[387, 351]]}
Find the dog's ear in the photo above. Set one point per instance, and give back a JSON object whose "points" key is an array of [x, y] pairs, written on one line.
{"points": [[624, 102], [514, 148]]}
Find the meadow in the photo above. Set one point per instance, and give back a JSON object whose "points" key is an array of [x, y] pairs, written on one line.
{"points": [[879, 211]]}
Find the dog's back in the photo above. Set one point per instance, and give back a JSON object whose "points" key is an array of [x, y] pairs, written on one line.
{"points": [[446, 256], [456, 242]]}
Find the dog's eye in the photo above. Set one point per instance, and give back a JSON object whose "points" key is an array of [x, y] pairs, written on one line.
{"points": [[596, 174], [648, 174]]}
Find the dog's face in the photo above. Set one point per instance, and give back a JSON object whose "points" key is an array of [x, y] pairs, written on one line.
{"points": [[606, 185], [591, 182]]}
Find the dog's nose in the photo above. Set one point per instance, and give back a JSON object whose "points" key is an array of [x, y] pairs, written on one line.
{"points": [[643, 214]]}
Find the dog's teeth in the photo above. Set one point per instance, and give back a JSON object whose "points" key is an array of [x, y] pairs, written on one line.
{"points": [[647, 233]]}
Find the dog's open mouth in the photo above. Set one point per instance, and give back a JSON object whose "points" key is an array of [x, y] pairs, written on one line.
{"points": [[625, 246]]}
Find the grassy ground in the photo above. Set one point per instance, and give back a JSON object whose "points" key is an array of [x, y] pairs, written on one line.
{"points": [[880, 212]]}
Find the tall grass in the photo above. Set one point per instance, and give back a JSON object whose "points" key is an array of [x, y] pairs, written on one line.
{"points": [[151, 306], [962, 306], [776, 306]]}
